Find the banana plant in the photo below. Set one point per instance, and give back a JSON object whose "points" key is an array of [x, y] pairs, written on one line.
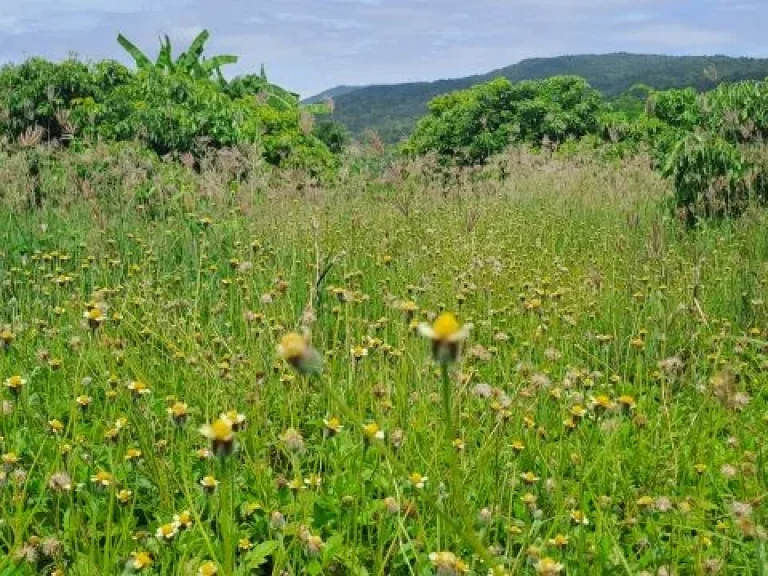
{"points": [[191, 62]]}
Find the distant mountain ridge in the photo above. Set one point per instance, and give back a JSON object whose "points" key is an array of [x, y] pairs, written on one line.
{"points": [[393, 110]]}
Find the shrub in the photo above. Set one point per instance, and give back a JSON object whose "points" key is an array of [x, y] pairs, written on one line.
{"points": [[711, 177]]}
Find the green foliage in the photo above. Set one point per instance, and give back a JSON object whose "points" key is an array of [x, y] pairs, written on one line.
{"points": [[174, 106], [471, 125], [39, 93], [711, 177], [191, 62], [333, 135]]}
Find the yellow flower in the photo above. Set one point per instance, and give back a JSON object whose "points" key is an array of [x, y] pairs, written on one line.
{"points": [[6, 338], [373, 432], [236, 419], [132, 454], [184, 520], [178, 412], [295, 349], [167, 531], [56, 426], [578, 517], [138, 388], [448, 564], [221, 436], [102, 478], [332, 425], [244, 544], [447, 335], [207, 569], [15, 384], [417, 480], [140, 560], [124, 496], [209, 483], [548, 567]]}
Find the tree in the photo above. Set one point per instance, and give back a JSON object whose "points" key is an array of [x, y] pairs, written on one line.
{"points": [[191, 62]]}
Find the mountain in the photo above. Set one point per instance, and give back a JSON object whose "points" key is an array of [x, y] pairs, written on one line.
{"points": [[331, 93], [393, 110]]}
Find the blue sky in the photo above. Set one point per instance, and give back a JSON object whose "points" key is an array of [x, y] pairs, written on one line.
{"points": [[310, 45]]}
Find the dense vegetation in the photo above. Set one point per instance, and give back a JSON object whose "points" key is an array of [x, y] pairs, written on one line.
{"points": [[233, 344], [605, 415], [180, 105], [708, 144], [393, 111]]}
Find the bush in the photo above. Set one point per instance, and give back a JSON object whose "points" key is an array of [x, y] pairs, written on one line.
{"points": [[471, 125], [712, 178]]}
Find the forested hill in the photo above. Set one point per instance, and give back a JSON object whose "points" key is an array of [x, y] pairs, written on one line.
{"points": [[392, 110]]}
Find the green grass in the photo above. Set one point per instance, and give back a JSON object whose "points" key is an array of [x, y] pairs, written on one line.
{"points": [[559, 269]]}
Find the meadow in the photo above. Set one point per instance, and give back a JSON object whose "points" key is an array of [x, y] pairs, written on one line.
{"points": [[606, 414]]}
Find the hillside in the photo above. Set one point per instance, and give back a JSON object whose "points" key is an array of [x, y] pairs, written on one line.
{"points": [[392, 110]]}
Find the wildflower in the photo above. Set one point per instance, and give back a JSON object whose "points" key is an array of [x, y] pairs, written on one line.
{"points": [[221, 436], [459, 444], [207, 569], [548, 567], [529, 478], [358, 352], [391, 505], [645, 502], [6, 338], [277, 520], [372, 432], [517, 445], [50, 547], [313, 545], [578, 517], [9, 460], [140, 560], [56, 426], [627, 402], [132, 454], [167, 531], [209, 484], [332, 426], [83, 401], [293, 440], [559, 541], [15, 384], [602, 403], [124, 496], [447, 564], [102, 479], [60, 482], [138, 388], [178, 413], [235, 419], [417, 480], [447, 335], [244, 544], [183, 520], [95, 317], [296, 350]]}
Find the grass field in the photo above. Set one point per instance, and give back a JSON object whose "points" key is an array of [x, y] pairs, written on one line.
{"points": [[607, 414]]}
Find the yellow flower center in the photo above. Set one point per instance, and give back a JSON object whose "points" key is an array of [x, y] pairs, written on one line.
{"points": [[221, 430], [445, 326], [292, 346]]}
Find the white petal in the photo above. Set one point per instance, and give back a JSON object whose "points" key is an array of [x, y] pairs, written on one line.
{"points": [[461, 334], [426, 330]]}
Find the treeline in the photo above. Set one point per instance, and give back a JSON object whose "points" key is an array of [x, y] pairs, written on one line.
{"points": [[706, 143], [394, 110], [178, 105]]}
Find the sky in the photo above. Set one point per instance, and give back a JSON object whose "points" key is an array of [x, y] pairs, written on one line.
{"points": [[311, 45]]}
